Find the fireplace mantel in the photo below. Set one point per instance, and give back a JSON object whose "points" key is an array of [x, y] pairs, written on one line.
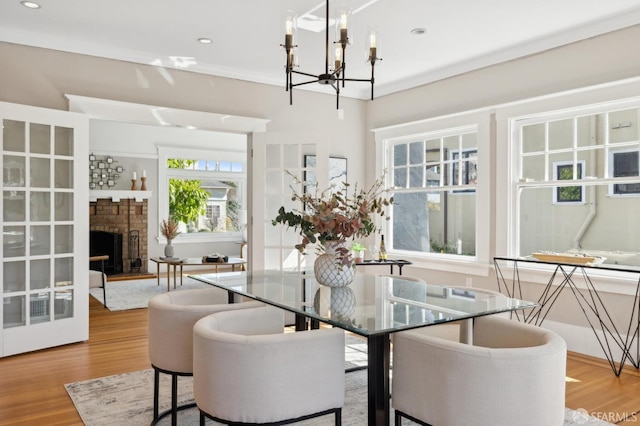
{"points": [[116, 196]]}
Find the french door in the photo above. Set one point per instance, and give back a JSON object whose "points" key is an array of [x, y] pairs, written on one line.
{"points": [[45, 221]]}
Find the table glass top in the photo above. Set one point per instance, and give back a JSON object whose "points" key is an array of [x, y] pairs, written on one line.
{"points": [[371, 305]]}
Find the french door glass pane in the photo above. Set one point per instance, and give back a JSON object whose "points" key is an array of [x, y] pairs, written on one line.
{"points": [[40, 172], [13, 136], [40, 206], [14, 206], [39, 308], [14, 276], [64, 141], [14, 311], [40, 139], [40, 240], [40, 274], [63, 202], [63, 268], [13, 241], [13, 170], [63, 304], [63, 174], [63, 239]]}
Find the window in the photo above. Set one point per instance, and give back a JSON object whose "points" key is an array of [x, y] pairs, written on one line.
{"points": [[468, 172], [625, 164], [198, 201], [204, 195], [434, 178], [597, 145], [568, 194]]}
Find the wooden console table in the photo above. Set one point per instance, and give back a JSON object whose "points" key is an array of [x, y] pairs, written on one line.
{"points": [[588, 298], [234, 262]]}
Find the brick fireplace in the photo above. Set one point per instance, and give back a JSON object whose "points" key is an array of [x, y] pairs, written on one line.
{"points": [[126, 216]]}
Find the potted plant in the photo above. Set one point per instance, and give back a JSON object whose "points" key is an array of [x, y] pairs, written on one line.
{"points": [[331, 218], [357, 250]]}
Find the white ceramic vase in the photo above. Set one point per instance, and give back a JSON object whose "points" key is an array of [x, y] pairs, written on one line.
{"points": [[330, 271], [168, 249]]}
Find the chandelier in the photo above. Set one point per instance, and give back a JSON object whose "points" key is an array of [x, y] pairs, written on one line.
{"points": [[333, 75]]}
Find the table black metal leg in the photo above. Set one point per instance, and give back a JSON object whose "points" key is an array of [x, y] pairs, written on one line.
{"points": [[301, 322], [378, 380]]}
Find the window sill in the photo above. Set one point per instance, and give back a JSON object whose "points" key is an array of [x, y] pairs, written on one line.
{"points": [[203, 237]]}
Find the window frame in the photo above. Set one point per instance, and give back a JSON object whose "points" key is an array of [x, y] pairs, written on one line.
{"points": [[579, 175], [165, 174], [482, 119], [516, 182], [611, 162]]}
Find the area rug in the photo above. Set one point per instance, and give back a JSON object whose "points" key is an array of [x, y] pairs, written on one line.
{"points": [[127, 399], [135, 294]]}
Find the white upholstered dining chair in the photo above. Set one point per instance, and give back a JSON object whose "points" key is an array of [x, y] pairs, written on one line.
{"points": [[514, 373], [172, 316], [246, 370]]}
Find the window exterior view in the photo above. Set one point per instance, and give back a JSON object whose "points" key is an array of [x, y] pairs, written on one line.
{"points": [[203, 198]]}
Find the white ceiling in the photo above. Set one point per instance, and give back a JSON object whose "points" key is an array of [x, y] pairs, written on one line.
{"points": [[461, 35]]}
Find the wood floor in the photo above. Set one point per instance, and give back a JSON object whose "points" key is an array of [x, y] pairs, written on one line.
{"points": [[32, 392]]}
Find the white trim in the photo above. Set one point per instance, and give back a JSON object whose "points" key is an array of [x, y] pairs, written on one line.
{"points": [[128, 112]]}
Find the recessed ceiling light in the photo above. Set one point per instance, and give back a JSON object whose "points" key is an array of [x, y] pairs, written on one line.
{"points": [[30, 4], [205, 40], [418, 31]]}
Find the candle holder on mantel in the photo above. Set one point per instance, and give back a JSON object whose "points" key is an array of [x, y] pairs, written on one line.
{"points": [[143, 185], [133, 185]]}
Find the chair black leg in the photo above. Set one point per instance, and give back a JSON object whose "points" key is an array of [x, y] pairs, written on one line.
{"points": [[339, 417], [398, 419], [174, 400], [156, 391], [104, 290], [202, 418]]}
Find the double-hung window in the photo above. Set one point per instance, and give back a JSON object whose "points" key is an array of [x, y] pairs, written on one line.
{"points": [[576, 184], [434, 189]]}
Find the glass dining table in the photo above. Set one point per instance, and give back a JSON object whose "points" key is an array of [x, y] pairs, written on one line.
{"points": [[372, 306]]}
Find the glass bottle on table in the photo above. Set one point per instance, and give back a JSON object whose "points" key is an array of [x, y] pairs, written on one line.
{"points": [[382, 253]]}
